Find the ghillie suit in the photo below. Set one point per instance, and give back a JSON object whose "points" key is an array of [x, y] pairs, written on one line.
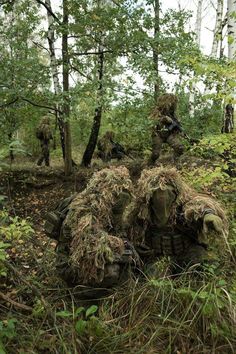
{"points": [[108, 149], [164, 129], [44, 134], [169, 218], [90, 249], [228, 123]]}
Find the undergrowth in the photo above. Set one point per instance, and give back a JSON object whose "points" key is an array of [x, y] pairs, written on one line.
{"points": [[194, 312]]}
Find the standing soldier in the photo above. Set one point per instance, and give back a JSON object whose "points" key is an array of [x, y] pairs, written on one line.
{"points": [[228, 124], [44, 134], [166, 127]]}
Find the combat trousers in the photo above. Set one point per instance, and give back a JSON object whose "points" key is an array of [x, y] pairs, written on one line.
{"points": [[172, 140], [44, 154]]}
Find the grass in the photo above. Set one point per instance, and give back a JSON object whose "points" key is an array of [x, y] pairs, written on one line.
{"points": [[192, 313]]}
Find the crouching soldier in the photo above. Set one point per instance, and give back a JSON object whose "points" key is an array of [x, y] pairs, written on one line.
{"points": [[91, 249], [109, 149], [166, 127], [170, 219]]}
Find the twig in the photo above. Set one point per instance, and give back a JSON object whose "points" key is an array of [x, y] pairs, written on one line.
{"points": [[42, 106], [49, 10], [31, 286], [14, 303], [9, 103]]}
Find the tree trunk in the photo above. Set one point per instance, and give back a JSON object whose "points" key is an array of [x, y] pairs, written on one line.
{"points": [[55, 75], [231, 4], [66, 102], [192, 87], [156, 45], [88, 154], [217, 29]]}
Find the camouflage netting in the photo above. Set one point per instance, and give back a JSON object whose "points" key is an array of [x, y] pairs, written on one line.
{"points": [[166, 106], [45, 128], [90, 220], [193, 203]]}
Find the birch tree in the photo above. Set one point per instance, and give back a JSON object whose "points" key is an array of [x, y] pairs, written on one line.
{"points": [[197, 30], [217, 39], [54, 72], [231, 5]]}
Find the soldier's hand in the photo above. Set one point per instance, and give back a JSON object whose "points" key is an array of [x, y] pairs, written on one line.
{"points": [[212, 222], [167, 120]]}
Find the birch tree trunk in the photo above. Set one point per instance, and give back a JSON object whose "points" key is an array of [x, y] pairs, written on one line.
{"points": [[218, 28], [231, 4], [197, 28], [55, 74]]}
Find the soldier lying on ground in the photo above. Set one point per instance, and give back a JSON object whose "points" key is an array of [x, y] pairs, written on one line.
{"points": [[170, 218], [165, 126], [44, 134], [109, 149], [91, 250]]}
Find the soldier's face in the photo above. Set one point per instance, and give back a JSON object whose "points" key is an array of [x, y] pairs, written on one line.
{"points": [[161, 204], [123, 199]]}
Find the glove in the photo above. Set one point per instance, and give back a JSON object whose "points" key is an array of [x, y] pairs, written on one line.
{"points": [[166, 120], [212, 222]]}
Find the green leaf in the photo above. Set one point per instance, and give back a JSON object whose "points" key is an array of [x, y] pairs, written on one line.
{"points": [[79, 311], [64, 314], [91, 310], [80, 326]]}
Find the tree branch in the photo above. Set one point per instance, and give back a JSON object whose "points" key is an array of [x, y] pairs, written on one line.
{"points": [[9, 103], [14, 303], [40, 46], [49, 10], [41, 106]]}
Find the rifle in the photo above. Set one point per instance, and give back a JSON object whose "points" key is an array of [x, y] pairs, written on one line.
{"points": [[119, 149], [175, 125]]}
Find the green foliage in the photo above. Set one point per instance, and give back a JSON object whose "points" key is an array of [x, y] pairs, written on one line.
{"points": [[82, 317], [14, 228], [7, 331]]}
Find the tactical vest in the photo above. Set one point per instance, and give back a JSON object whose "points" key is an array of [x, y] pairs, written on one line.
{"points": [[169, 243]]}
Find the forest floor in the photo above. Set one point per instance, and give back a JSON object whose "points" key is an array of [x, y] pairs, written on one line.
{"points": [[40, 314]]}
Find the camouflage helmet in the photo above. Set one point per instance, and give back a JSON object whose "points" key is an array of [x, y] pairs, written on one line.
{"points": [[109, 134], [166, 105], [45, 120]]}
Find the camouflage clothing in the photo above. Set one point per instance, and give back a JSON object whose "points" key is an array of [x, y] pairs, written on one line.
{"points": [[163, 130], [91, 250], [108, 149], [169, 218], [44, 134]]}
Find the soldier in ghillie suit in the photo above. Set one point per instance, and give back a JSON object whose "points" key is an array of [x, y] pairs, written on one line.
{"points": [[228, 123], [169, 218], [44, 134], [165, 126], [91, 250], [109, 149]]}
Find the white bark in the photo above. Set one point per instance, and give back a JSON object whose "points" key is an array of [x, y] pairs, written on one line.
{"points": [[218, 29], [198, 23], [51, 43], [197, 27], [231, 4]]}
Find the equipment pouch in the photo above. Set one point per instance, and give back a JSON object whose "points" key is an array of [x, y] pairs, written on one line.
{"points": [[53, 224]]}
